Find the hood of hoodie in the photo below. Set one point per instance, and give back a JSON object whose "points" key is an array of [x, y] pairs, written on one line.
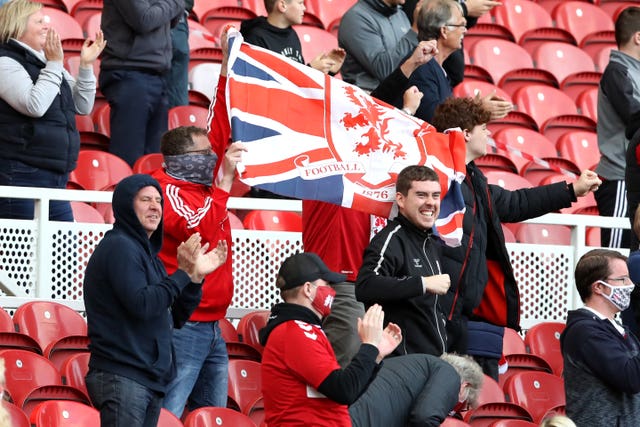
{"points": [[284, 312], [125, 215], [248, 25]]}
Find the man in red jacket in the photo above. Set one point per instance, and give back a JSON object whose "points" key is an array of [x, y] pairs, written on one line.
{"points": [[195, 204]]}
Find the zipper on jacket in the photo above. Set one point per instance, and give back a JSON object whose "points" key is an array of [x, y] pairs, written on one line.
{"points": [[435, 304]]}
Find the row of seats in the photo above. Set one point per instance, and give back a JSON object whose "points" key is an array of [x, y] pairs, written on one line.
{"points": [[66, 413]]}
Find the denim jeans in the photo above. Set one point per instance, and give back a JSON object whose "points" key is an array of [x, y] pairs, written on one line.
{"points": [[139, 111], [178, 87], [202, 368], [123, 402], [19, 174]]}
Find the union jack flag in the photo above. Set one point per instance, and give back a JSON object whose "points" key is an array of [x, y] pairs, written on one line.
{"points": [[310, 136]]}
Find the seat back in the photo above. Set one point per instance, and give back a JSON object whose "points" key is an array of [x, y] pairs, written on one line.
{"points": [[273, 221], [229, 332], [562, 59], [535, 391], [543, 102], [513, 423], [97, 170], [488, 413], [245, 384], [526, 141], [512, 342], [544, 234], [84, 212], [148, 163], [581, 18], [188, 115], [587, 103], [213, 417], [520, 16], [543, 339], [167, 419], [66, 26], [499, 57], [507, 180], [48, 321], [315, 41], [64, 413], [74, 370], [250, 325], [490, 392], [580, 147], [474, 88], [17, 417]]}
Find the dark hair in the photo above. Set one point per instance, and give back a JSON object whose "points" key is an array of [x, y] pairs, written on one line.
{"points": [[414, 173], [269, 4], [465, 113], [627, 24], [178, 140], [432, 16], [594, 266]]}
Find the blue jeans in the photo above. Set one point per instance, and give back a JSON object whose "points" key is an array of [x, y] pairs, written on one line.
{"points": [[19, 174], [123, 402], [202, 368], [139, 111]]}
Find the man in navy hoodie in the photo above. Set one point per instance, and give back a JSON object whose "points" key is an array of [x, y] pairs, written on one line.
{"points": [[132, 305]]}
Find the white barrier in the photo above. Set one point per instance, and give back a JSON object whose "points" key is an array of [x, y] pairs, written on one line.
{"points": [[46, 260]]}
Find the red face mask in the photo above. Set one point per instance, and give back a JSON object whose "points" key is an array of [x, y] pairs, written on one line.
{"points": [[323, 300]]}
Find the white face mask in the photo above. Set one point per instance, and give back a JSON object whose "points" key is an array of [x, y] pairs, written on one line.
{"points": [[620, 295]]}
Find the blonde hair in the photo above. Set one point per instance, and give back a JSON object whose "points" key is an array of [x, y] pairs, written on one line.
{"points": [[14, 16], [558, 421]]}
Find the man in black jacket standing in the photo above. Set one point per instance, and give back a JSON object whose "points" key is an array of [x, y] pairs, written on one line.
{"points": [[482, 261], [401, 267]]}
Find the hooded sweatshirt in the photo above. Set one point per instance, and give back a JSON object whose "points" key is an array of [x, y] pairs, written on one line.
{"points": [[284, 41], [131, 302]]}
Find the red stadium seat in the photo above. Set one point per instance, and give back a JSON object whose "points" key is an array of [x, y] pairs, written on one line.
{"points": [[473, 88], [535, 172], [84, 212], [91, 24], [81, 10], [562, 59], [31, 379], [491, 392], [257, 6], [485, 415], [580, 147], [515, 79], [250, 325], [496, 161], [475, 72], [330, 12], [98, 170], [581, 19], [527, 141], [513, 119], [507, 180], [214, 15], [512, 342], [594, 42], [522, 362], [148, 163], [543, 340], [17, 417], [487, 31], [62, 413], [587, 103], [544, 234], [214, 417], [188, 115], [235, 348], [601, 56], [315, 41], [102, 118], [453, 422], [167, 419], [10, 339], [68, 28], [74, 370], [536, 391], [499, 57], [48, 322], [245, 384], [543, 102], [513, 423], [520, 16], [273, 221]]}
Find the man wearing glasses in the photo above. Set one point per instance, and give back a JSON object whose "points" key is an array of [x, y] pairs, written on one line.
{"points": [[601, 358], [443, 21]]}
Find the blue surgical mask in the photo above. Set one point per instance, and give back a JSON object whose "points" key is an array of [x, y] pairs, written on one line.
{"points": [[196, 168]]}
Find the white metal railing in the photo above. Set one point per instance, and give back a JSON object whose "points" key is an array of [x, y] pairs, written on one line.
{"points": [[44, 259]]}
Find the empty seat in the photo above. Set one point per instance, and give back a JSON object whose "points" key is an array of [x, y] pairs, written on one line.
{"points": [[512, 342], [562, 60], [507, 180], [581, 19], [522, 362], [245, 384], [148, 163], [17, 417], [491, 392], [487, 30], [98, 170], [473, 88], [543, 102], [580, 147], [62, 413], [74, 370], [488, 413], [496, 161], [499, 57], [188, 115], [235, 348], [250, 325], [587, 103], [214, 417], [273, 221], [527, 142], [330, 12], [84, 212], [544, 234], [213, 15], [520, 16], [536, 391], [31, 379], [48, 322], [543, 340], [315, 41]]}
